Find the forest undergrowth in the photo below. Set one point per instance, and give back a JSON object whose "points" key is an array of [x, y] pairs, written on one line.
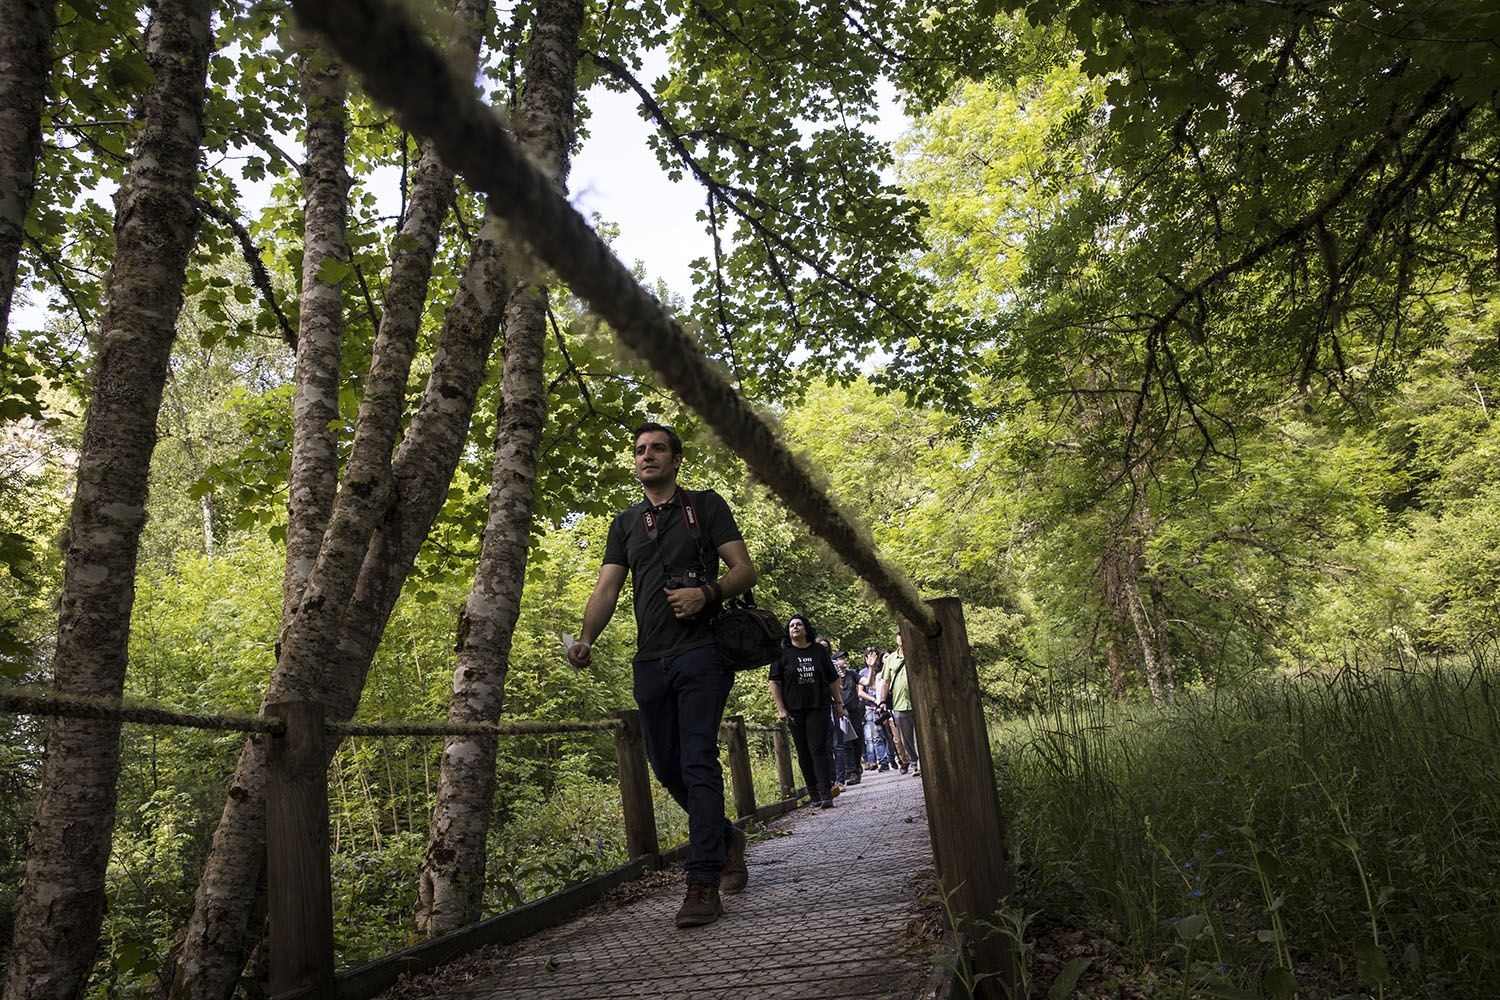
{"points": [[1333, 834], [557, 823]]}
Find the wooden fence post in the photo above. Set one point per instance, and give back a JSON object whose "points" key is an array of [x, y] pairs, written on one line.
{"points": [[782, 744], [635, 787], [299, 893], [739, 766], [969, 840]]}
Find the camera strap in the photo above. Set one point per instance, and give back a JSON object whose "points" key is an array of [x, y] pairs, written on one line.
{"points": [[651, 521], [651, 524]]}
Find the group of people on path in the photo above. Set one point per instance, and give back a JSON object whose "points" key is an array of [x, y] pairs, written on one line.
{"points": [[843, 721], [670, 545]]}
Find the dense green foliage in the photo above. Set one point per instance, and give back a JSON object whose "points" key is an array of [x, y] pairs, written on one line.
{"points": [[1166, 340]]}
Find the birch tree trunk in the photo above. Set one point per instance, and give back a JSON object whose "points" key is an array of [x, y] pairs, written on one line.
{"points": [[371, 508], [1159, 617], [424, 465], [25, 65], [1145, 637], [62, 903], [313, 479], [451, 888]]}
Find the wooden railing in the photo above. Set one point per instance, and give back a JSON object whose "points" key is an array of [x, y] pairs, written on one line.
{"points": [[298, 856], [970, 842], [299, 884]]}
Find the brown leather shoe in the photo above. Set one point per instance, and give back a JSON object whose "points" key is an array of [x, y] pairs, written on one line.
{"points": [[734, 874], [700, 906]]}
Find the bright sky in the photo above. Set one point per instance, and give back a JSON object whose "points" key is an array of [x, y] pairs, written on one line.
{"points": [[617, 176]]}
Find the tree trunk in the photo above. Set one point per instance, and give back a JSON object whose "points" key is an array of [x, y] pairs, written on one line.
{"points": [[313, 480], [1120, 654], [424, 466], [1145, 637], [206, 505], [1116, 667], [62, 903], [382, 523], [25, 64], [451, 888], [1163, 648], [1149, 627]]}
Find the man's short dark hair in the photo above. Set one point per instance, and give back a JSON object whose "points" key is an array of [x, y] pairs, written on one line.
{"points": [[652, 427]]}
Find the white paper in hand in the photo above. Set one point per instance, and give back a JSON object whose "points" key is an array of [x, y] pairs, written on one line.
{"points": [[568, 643]]}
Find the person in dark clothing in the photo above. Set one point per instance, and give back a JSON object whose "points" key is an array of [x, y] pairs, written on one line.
{"points": [[670, 544], [804, 686], [841, 767], [854, 710]]}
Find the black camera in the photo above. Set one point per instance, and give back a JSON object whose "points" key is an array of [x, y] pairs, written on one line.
{"points": [[688, 578]]}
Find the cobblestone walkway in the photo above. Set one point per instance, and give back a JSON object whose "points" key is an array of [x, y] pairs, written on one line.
{"points": [[831, 892]]}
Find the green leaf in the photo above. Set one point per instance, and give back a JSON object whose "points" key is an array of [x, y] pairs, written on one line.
{"points": [[1190, 928], [1067, 979], [1281, 984], [333, 271], [126, 957], [1372, 966]]}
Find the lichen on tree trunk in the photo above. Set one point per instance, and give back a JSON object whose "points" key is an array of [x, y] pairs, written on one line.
{"points": [[25, 64], [451, 884], [389, 507], [62, 903]]}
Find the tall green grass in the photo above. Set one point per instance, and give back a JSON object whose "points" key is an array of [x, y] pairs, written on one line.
{"points": [[1340, 830]]}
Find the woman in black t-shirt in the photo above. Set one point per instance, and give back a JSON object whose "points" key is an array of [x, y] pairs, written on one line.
{"points": [[804, 685]]}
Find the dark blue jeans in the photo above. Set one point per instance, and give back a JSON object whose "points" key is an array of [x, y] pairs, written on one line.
{"points": [[681, 697], [840, 767]]}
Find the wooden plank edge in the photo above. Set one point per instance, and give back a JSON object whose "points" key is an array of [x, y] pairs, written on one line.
{"points": [[370, 979]]}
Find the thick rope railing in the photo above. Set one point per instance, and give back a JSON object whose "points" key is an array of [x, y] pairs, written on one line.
{"points": [[517, 727], [401, 69], [37, 701]]}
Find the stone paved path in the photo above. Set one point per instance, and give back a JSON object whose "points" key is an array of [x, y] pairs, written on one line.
{"points": [[855, 870]]}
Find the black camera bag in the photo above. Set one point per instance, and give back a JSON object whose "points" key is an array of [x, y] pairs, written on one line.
{"points": [[748, 637]]}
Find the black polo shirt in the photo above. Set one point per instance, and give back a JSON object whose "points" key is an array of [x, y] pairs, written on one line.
{"points": [[658, 632]]}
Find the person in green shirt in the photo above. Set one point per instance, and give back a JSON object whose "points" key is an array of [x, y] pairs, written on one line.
{"points": [[906, 720]]}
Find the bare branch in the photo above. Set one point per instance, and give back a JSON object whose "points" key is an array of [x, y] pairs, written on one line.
{"points": [[258, 274]]}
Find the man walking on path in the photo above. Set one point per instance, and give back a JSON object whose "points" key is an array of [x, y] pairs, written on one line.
{"points": [[679, 682], [905, 718]]}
